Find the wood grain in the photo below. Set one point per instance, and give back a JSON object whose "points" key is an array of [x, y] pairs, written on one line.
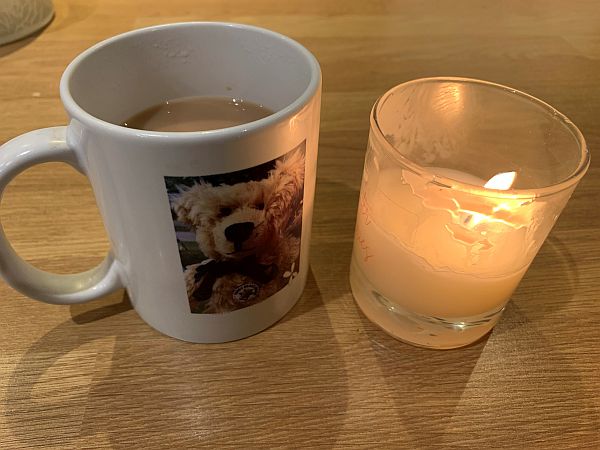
{"points": [[95, 376]]}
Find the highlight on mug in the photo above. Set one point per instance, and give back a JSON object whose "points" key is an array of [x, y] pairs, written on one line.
{"points": [[239, 233]]}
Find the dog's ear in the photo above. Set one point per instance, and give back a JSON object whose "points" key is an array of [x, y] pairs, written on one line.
{"points": [[185, 205]]}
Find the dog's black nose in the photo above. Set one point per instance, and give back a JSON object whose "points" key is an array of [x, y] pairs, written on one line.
{"points": [[239, 232]]}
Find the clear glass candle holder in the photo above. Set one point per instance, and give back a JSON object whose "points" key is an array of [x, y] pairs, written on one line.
{"points": [[463, 181]]}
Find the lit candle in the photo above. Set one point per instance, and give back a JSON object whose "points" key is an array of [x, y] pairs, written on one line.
{"points": [[439, 248], [439, 252]]}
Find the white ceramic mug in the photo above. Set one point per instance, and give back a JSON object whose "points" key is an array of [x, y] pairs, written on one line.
{"points": [[167, 199]]}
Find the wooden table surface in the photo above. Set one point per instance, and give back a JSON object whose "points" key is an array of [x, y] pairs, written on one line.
{"points": [[96, 376]]}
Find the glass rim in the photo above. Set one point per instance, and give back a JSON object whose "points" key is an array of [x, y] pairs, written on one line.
{"points": [[451, 183]]}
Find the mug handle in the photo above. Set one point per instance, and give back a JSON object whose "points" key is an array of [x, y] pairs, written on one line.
{"points": [[18, 154]]}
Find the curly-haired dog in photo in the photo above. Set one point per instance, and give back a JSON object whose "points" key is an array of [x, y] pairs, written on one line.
{"points": [[249, 233]]}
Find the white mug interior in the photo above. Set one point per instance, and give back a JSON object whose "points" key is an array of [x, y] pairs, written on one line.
{"points": [[129, 73]]}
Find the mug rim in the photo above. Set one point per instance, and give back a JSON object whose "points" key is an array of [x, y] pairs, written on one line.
{"points": [[79, 113], [451, 183]]}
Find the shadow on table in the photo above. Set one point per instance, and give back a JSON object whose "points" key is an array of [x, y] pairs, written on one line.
{"points": [[106, 377], [426, 385], [550, 283], [511, 383], [11, 47]]}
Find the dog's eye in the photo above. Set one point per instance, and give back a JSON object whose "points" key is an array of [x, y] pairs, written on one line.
{"points": [[225, 211], [260, 205]]}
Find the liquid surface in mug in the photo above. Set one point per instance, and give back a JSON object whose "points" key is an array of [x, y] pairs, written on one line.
{"points": [[197, 114]]}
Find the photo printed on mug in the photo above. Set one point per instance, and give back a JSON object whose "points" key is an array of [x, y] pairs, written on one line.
{"points": [[238, 233]]}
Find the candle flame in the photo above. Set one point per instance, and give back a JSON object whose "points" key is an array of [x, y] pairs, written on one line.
{"points": [[501, 181]]}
